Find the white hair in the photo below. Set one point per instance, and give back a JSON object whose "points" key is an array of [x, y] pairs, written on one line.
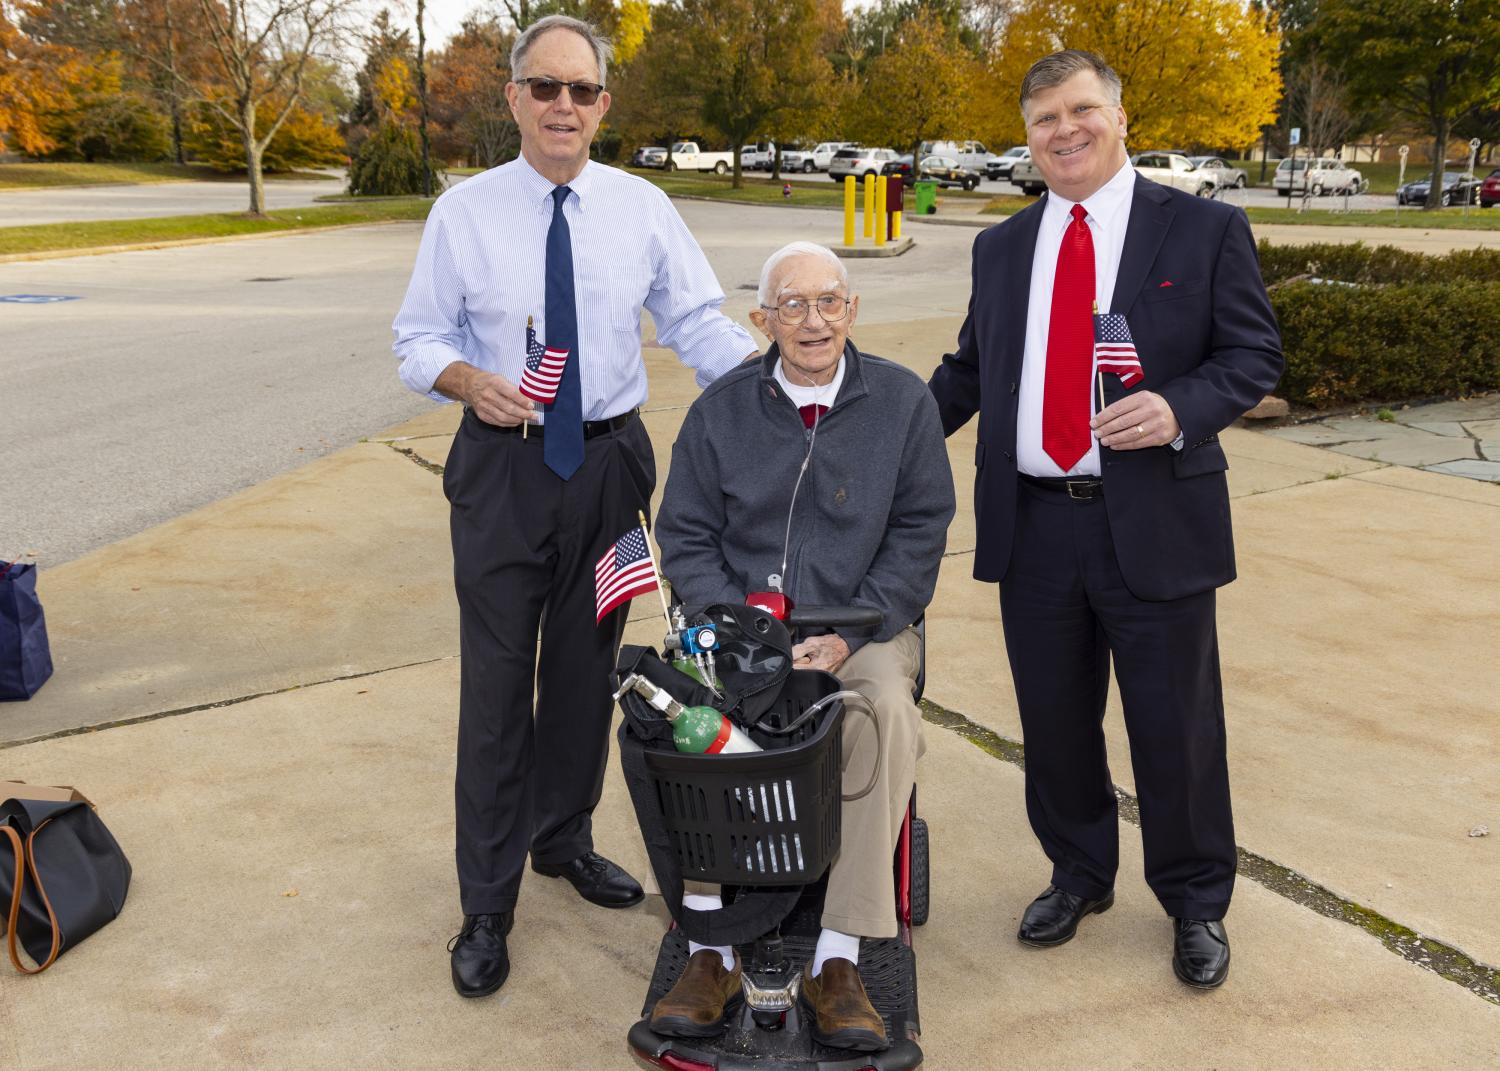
{"points": [[601, 46], [797, 249]]}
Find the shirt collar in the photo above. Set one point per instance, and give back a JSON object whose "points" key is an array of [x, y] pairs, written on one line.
{"points": [[1104, 204], [539, 188], [850, 373], [803, 394]]}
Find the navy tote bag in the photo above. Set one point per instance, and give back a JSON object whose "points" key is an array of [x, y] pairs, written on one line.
{"points": [[25, 658]]}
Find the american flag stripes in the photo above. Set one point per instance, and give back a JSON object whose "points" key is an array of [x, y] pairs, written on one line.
{"points": [[543, 371], [1114, 351], [625, 571]]}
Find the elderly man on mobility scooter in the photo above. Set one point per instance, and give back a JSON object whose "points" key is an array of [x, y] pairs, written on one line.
{"points": [[818, 472]]}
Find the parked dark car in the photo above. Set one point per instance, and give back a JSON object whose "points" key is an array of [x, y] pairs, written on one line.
{"points": [[1226, 175], [945, 171], [1489, 190], [1457, 187], [901, 166]]}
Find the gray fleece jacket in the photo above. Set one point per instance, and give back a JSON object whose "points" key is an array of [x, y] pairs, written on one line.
{"points": [[871, 517]]}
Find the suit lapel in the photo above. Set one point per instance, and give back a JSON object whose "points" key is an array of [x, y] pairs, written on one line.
{"points": [[1150, 217], [1022, 251]]}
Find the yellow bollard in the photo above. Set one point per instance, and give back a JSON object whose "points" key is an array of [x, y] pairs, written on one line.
{"points": [[869, 206], [849, 210], [895, 226], [880, 186]]}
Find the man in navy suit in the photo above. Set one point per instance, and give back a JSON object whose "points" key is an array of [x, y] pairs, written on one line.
{"points": [[1105, 520]]}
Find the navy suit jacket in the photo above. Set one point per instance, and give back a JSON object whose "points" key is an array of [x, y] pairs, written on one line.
{"points": [[1208, 343]]}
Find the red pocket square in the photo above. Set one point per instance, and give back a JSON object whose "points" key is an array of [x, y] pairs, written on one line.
{"points": [[1168, 282]]}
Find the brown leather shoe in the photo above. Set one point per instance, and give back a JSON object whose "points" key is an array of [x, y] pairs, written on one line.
{"points": [[698, 1005], [843, 1017]]}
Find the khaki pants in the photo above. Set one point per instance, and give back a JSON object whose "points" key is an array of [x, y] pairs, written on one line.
{"points": [[861, 884]]}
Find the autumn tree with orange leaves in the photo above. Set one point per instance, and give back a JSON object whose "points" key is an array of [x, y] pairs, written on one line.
{"points": [[34, 79]]}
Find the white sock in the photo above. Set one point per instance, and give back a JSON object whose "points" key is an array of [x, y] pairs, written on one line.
{"points": [[699, 902], [834, 945]]}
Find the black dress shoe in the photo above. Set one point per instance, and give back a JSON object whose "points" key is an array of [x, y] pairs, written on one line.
{"points": [[1200, 953], [597, 880], [1052, 919], [481, 962]]}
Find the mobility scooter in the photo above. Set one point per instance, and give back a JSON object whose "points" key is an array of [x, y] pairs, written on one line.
{"points": [[765, 825]]}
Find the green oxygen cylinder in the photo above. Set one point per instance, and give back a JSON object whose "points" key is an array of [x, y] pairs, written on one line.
{"points": [[696, 730], [686, 665]]}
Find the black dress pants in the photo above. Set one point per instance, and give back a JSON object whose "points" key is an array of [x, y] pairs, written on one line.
{"points": [[1066, 610], [525, 543]]}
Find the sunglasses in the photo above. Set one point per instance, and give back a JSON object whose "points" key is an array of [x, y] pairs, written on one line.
{"points": [[547, 90]]}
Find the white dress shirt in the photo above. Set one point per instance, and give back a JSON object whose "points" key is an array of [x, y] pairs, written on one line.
{"points": [[805, 394], [481, 271], [1108, 215]]}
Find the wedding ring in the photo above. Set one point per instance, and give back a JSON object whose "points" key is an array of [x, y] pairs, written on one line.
{"points": [[1140, 430]]}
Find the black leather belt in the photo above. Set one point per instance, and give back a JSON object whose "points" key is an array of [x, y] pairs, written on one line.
{"points": [[591, 428], [1082, 488]]}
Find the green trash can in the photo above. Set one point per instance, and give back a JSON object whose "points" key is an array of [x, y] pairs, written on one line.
{"points": [[926, 198]]}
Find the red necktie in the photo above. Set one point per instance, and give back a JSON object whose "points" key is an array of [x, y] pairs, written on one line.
{"points": [[810, 413], [1070, 348]]}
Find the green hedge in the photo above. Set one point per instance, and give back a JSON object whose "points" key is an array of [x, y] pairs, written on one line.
{"points": [[1360, 263], [1347, 344], [1411, 326]]}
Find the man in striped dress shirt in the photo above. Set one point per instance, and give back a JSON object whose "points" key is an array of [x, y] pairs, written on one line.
{"points": [[579, 249]]}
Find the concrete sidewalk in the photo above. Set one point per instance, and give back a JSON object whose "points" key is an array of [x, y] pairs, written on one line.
{"points": [[280, 670]]}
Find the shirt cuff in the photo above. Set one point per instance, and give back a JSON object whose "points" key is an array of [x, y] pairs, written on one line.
{"points": [[1176, 444], [421, 366]]}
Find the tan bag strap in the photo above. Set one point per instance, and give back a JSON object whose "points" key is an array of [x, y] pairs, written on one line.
{"points": [[23, 857]]}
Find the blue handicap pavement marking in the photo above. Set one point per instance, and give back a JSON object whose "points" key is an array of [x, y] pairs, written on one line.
{"points": [[36, 299]]}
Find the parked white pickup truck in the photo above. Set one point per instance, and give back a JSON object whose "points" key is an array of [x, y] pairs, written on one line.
{"points": [[815, 159], [687, 156], [1028, 176]]}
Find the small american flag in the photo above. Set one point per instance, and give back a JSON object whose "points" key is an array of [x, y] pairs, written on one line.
{"points": [[1113, 349], [625, 571], [544, 369]]}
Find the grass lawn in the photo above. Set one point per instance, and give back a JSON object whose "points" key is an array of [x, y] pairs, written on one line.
{"points": [[29, 175], [55, 236]]}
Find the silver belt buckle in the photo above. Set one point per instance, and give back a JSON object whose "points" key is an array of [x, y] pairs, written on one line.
{"points": [[1078, 495]]}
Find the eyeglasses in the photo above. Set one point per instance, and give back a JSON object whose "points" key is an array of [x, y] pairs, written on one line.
{"points": [[831, 307], [546, 90]]}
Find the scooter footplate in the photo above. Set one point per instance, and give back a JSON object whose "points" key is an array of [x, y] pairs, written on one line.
{"points": [[887, 968]]}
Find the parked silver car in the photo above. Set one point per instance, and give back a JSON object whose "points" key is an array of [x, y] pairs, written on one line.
{"points": [[1226, 175], [1176, 170], [859, 162], [1318, 177]]}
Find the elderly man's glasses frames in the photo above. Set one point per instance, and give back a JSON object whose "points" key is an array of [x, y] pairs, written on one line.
{"points": [[831, 307], [547, 90]]}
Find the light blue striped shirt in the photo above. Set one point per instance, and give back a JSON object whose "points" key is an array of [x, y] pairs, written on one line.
{"points": [[481, 267]]}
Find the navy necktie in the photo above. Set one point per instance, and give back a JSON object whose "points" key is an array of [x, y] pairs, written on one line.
{"points": [[562, 445]]}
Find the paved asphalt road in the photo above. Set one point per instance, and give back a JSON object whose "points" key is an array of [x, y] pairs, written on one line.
{"points": [[182, 375], [20, 208]]}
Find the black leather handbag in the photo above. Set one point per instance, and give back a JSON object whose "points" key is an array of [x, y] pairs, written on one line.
{"points": [[69, 879]]}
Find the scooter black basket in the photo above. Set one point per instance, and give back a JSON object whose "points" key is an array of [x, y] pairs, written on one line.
{"points": [[760, 818]]}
